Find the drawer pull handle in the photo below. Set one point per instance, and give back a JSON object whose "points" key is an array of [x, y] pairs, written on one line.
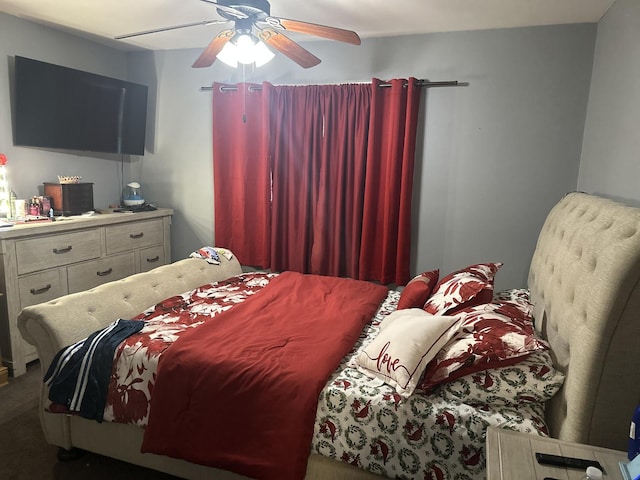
{"points": [[62, 250], [136, 235], [104, 273], [37, 291], [154, 259]]}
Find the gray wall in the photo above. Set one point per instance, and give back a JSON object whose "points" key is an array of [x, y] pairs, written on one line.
{"points": [[610, 163], [28, 168], [493, 156]]}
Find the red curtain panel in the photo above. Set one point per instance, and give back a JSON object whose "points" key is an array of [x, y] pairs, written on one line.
{"points": [[318, 178], [295, 133], [241, 174], [341, 168], [386, 226]]}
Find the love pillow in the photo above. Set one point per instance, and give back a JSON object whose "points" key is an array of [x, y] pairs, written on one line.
{"points": [[408, 340]]}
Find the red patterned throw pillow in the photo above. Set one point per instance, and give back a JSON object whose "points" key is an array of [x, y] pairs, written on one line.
{"points": [[534, 379], [470, 286], [418, 290], [491, 335]]}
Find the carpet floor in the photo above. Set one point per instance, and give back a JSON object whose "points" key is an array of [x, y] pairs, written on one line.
{"points": [[25, 455]]}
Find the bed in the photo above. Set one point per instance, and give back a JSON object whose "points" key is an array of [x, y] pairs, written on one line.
{"points": [[584, 296]]}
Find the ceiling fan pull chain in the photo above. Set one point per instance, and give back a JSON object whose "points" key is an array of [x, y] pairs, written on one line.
{"points": [[244, 95]]}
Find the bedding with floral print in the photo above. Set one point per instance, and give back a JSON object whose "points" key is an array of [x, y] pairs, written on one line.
{"points": [[467, 287], [517, 296], [492, 335], [136, 359], [533, 379], [366, 423]]}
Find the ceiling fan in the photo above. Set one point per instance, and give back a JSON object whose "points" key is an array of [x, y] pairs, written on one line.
{"points": [[253, 23]]}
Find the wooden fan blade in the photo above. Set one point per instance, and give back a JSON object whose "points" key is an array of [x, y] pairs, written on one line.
{"points": [[229, 10], [332, 33], [208, 56], [164, 29], [291, 49]]}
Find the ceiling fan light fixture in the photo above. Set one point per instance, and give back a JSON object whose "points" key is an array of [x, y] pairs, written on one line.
{"points": [[228, 55], [245, 49], [262, 54], [254, 33], [245, 46]]}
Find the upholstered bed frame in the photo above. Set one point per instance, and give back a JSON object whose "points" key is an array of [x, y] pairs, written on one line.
{"points": [[584, 280], [585, 285]]}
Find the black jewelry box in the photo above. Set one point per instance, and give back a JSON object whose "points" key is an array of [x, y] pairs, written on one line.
{"points": [[70, 198]]}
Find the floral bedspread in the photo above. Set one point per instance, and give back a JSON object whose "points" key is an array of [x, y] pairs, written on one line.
{"points": [[435, 436], [136, 359]]}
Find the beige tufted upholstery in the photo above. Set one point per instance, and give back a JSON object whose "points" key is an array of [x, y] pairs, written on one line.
{"points": [[53, 325], [585, 285]]}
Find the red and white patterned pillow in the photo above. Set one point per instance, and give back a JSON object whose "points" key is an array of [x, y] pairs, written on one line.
{"points": [[517, 296], [491, 335], [418, 290], [470, 286], [533, 379]]}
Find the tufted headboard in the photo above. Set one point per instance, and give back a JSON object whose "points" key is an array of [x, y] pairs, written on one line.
{"points": [[585, 285]]}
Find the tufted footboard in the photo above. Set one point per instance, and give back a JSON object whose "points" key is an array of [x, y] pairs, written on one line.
{"points": [[53, 325]]}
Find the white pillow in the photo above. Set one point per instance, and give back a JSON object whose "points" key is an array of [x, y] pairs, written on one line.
{"points": [[408, 340]]}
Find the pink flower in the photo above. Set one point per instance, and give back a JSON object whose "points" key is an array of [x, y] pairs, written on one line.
{"points": [[3, 159]]}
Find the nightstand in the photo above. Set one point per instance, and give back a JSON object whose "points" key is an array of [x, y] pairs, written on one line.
{"points": [[511, 455]]}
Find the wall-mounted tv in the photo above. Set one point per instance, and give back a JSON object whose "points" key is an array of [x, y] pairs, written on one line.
{"points": [[63, 108]]}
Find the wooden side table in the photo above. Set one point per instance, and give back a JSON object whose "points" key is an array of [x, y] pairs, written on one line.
{"points": [[511, 455]]}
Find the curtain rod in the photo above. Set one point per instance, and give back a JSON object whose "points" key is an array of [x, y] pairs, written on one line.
{"points": [[421, 83]]}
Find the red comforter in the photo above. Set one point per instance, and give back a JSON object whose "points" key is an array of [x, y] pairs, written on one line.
{"points": [[240, 393]]}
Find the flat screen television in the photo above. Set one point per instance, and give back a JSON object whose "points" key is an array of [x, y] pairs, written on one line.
{"points": [[63, 108]]}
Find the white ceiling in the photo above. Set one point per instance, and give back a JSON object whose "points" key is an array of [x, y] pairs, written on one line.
{"points": [[102, 20]]}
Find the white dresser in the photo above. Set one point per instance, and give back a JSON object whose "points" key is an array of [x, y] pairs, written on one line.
{"points": [[41, 261]]}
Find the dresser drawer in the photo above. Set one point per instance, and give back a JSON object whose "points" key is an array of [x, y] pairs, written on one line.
{"points": [[84, 276], [52, 251], [38, 288], [41, 287], [128, 236], [151, 258]]}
